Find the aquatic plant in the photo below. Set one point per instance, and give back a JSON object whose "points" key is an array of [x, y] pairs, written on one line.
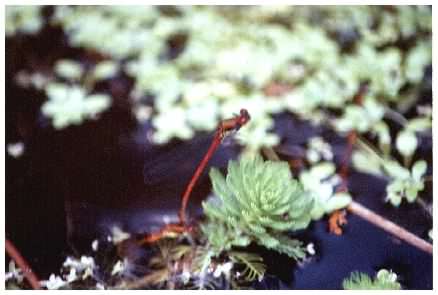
{"points": [[384, 280], [258, 201]]}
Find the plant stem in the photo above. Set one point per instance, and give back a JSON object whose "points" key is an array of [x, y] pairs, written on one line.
{"points": [[390, 227], [22, 264]]}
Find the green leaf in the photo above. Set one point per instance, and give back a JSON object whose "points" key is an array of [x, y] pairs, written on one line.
{"points": [[419, 124], [68, 69], [385, 280], [105, 70], [254, 267], [411, 193], [418, 170], [260, 199], [366, 162], [406, 143], [337, 201], [395, 170], [394, 198]]}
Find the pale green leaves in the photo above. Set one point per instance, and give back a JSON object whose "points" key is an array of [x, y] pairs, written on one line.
{"points": [[260, 200], [74, 71], [113, 30], [320, 180], [385, 280], [405, 184], [105, 70], [318, 149], [71, 105], [366, 162], [360, 118], [418, 58], [406, 141], [69, 69], [23, 19], [172, 123]]}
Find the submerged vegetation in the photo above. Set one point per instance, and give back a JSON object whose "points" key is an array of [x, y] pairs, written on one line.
{"points": [[385, 280], [363, 72]]}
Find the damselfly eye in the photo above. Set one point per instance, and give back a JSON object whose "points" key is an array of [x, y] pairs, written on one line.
{"points": [[244, 117]]}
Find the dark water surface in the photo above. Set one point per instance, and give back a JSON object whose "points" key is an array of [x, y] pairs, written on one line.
{"points": [[74, 185]]}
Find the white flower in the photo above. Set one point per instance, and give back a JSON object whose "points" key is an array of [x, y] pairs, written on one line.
{"points": [[87, 273], [54, 282], [385, 275], [14, 273], [223, 268], [15, 150], [310, 248], [119, 267], [84, 266], [72, 276], [95, 245], [118, 235], [87, 261]]}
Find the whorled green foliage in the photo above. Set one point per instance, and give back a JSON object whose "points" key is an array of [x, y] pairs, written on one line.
{"points": [[385, 280], [257, 201]]}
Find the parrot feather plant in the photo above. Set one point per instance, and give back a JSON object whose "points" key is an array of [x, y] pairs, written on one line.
{"points": [[258, 201]]}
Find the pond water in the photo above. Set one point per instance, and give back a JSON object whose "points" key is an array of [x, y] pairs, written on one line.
{"points": [[71, 187]]}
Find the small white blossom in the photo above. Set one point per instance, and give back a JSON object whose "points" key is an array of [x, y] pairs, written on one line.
{"points": [[99, 286], [72, 276], [87, 273], [15, 150], [385, 275], [84, 266], [54, 282], [223, 268], [185, 276], [14, 273], [310, 248], [95, 245], [119, 235], [119, 267]]}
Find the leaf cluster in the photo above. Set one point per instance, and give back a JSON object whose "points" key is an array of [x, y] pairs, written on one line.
{"points": [[258, 201], [385, 280]]}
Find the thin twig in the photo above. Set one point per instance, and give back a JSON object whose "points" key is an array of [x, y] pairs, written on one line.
{"points": [[390, 227], [22, 264]]}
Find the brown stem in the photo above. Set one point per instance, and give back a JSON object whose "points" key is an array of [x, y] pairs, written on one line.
{"points": [[22, 264], [390, 227]]}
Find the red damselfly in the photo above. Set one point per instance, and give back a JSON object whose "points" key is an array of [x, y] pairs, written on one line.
{"points": [[224, 127]]}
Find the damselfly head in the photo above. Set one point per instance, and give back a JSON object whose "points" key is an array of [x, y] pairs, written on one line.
{"points": [[244, 117]]}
